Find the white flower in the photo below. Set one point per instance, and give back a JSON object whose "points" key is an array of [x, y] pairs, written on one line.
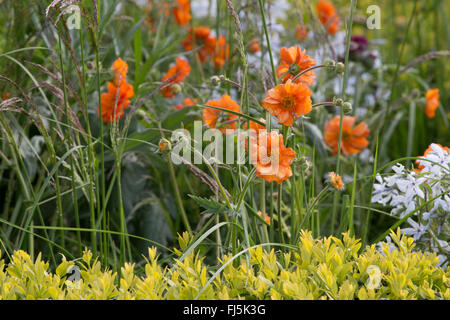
{"points": [[424, 193], [417, 230]]}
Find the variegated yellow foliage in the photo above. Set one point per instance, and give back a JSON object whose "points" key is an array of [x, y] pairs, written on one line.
{"points": [[327, 268]]}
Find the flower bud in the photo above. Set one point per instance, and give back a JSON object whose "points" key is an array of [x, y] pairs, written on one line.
{"points": [[338, 102], [176, 88], [330, 64], [215, 81], [164, 145], [347, 107], [91, 67], [340, 67], [140, 114]]}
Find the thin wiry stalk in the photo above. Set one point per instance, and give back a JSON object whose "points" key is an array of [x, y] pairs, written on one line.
{"points": [[90, 148], [344, 86], [101, 208], [72, 170]]}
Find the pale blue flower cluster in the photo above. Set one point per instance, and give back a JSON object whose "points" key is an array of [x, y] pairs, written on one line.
{"points": [[423, 196]]}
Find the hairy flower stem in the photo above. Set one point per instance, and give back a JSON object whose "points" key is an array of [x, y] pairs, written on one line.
{"points": [[245, 102], [178, 196], [344, 86], [307, 70], [268, 117]]}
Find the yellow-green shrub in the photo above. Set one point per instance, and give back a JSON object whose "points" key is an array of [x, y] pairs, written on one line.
{"points": [[326, 268]]}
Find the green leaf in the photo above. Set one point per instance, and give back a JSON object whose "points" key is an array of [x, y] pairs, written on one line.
{"points": [[211, 206]]}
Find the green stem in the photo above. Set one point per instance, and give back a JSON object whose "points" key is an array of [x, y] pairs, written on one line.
{"points": [[178, 196], [344, 86], [266, 32], [72, 170], [90, 148], [102, 150]]}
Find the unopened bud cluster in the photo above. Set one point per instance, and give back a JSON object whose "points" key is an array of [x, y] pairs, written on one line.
{"points": [[332, 65], [345, 105]]}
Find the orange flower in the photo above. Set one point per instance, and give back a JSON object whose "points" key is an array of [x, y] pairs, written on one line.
{"points": [[211, 116], [114, 103], [6, 96], [336, 181], [120, 68], [432, 102], [302, 32], [222, 52], [182, 12], [255, 129], [292, 62], [353, 139], [256, 126], [288, 101], [200, 37], [266, 217], [179, 72], [328, 16], [429, 149], [270, 157], [254, 47], [187, 102]]}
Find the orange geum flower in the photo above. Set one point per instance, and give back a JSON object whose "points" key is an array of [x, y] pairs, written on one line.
{"points": [[270, 157], [328, 16], [256, 126], [200, 37], [254, 47], [114, 103], [119, 93], [253, 130], [432, 97], [226, 120], [353, 139], [222, 52], [182, 12], [288, 101], [301, 32], [292, 62], [176, 74], [187, 102], [120, 68], [336, 181]]}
